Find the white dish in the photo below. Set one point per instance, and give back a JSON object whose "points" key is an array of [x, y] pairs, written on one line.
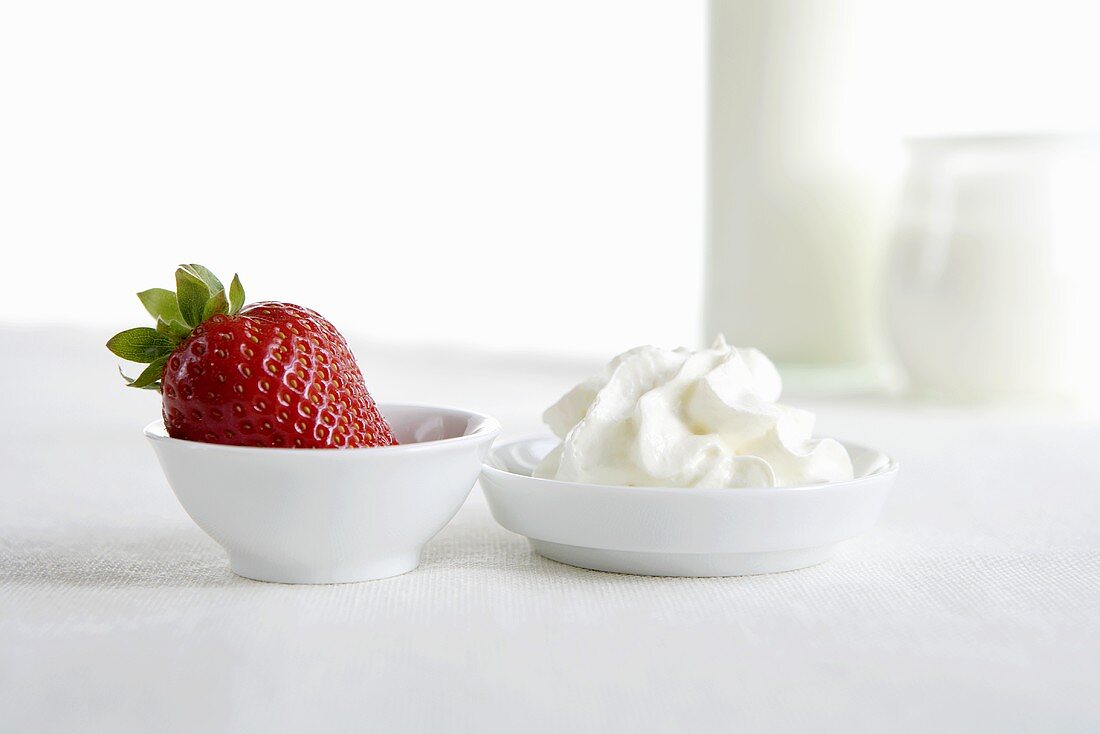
{"points": [[309, 516], [682, 532]]}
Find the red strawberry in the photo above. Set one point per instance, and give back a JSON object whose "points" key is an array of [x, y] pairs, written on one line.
{"points": [[272, 374]]}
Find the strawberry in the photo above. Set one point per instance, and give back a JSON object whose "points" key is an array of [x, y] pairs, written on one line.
{"points": [[272, 374]]}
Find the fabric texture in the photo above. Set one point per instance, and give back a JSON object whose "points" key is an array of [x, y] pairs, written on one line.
{"points": [[973, 606]]}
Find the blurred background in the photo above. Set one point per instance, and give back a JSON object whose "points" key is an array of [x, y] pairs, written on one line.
{"points": [[883, 196]]}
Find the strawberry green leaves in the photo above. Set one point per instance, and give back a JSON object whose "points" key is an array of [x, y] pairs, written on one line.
{"points": [[142, 344], [218, 303], [212, 283], [191, 294], [236, 296], [176, 329], [132, 382], [161, 304], [150, 376], [199, 295]]}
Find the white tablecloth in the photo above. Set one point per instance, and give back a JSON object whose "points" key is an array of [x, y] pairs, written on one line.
{"points": [[973, 606]]}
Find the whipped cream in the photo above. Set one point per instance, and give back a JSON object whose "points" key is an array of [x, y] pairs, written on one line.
{"points": [[676, 418]]}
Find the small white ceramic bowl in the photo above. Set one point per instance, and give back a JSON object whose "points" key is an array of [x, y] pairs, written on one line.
{"points": [[318, 516], [682, 532]]}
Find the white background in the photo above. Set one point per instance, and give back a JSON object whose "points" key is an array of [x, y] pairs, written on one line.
{"points": [[511, 175]]}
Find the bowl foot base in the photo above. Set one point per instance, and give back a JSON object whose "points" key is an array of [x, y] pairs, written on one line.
{"points": [[642, 563], [261, 569]]}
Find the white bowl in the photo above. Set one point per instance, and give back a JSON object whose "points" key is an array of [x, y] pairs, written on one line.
{"points": [[682, 532], [313, 516]]}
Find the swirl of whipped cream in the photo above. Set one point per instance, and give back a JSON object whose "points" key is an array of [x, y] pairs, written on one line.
{"points": [[676, 418]]}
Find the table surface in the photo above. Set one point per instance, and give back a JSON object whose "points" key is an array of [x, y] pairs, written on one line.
{"points": [[974, 605]]}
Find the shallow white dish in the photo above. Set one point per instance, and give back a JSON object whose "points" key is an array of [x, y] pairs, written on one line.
{"points": [[310, 516], [682, 532]]}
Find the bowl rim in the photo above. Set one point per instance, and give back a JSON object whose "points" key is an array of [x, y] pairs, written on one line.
{"points": [[488, 429], [889, 470]]}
